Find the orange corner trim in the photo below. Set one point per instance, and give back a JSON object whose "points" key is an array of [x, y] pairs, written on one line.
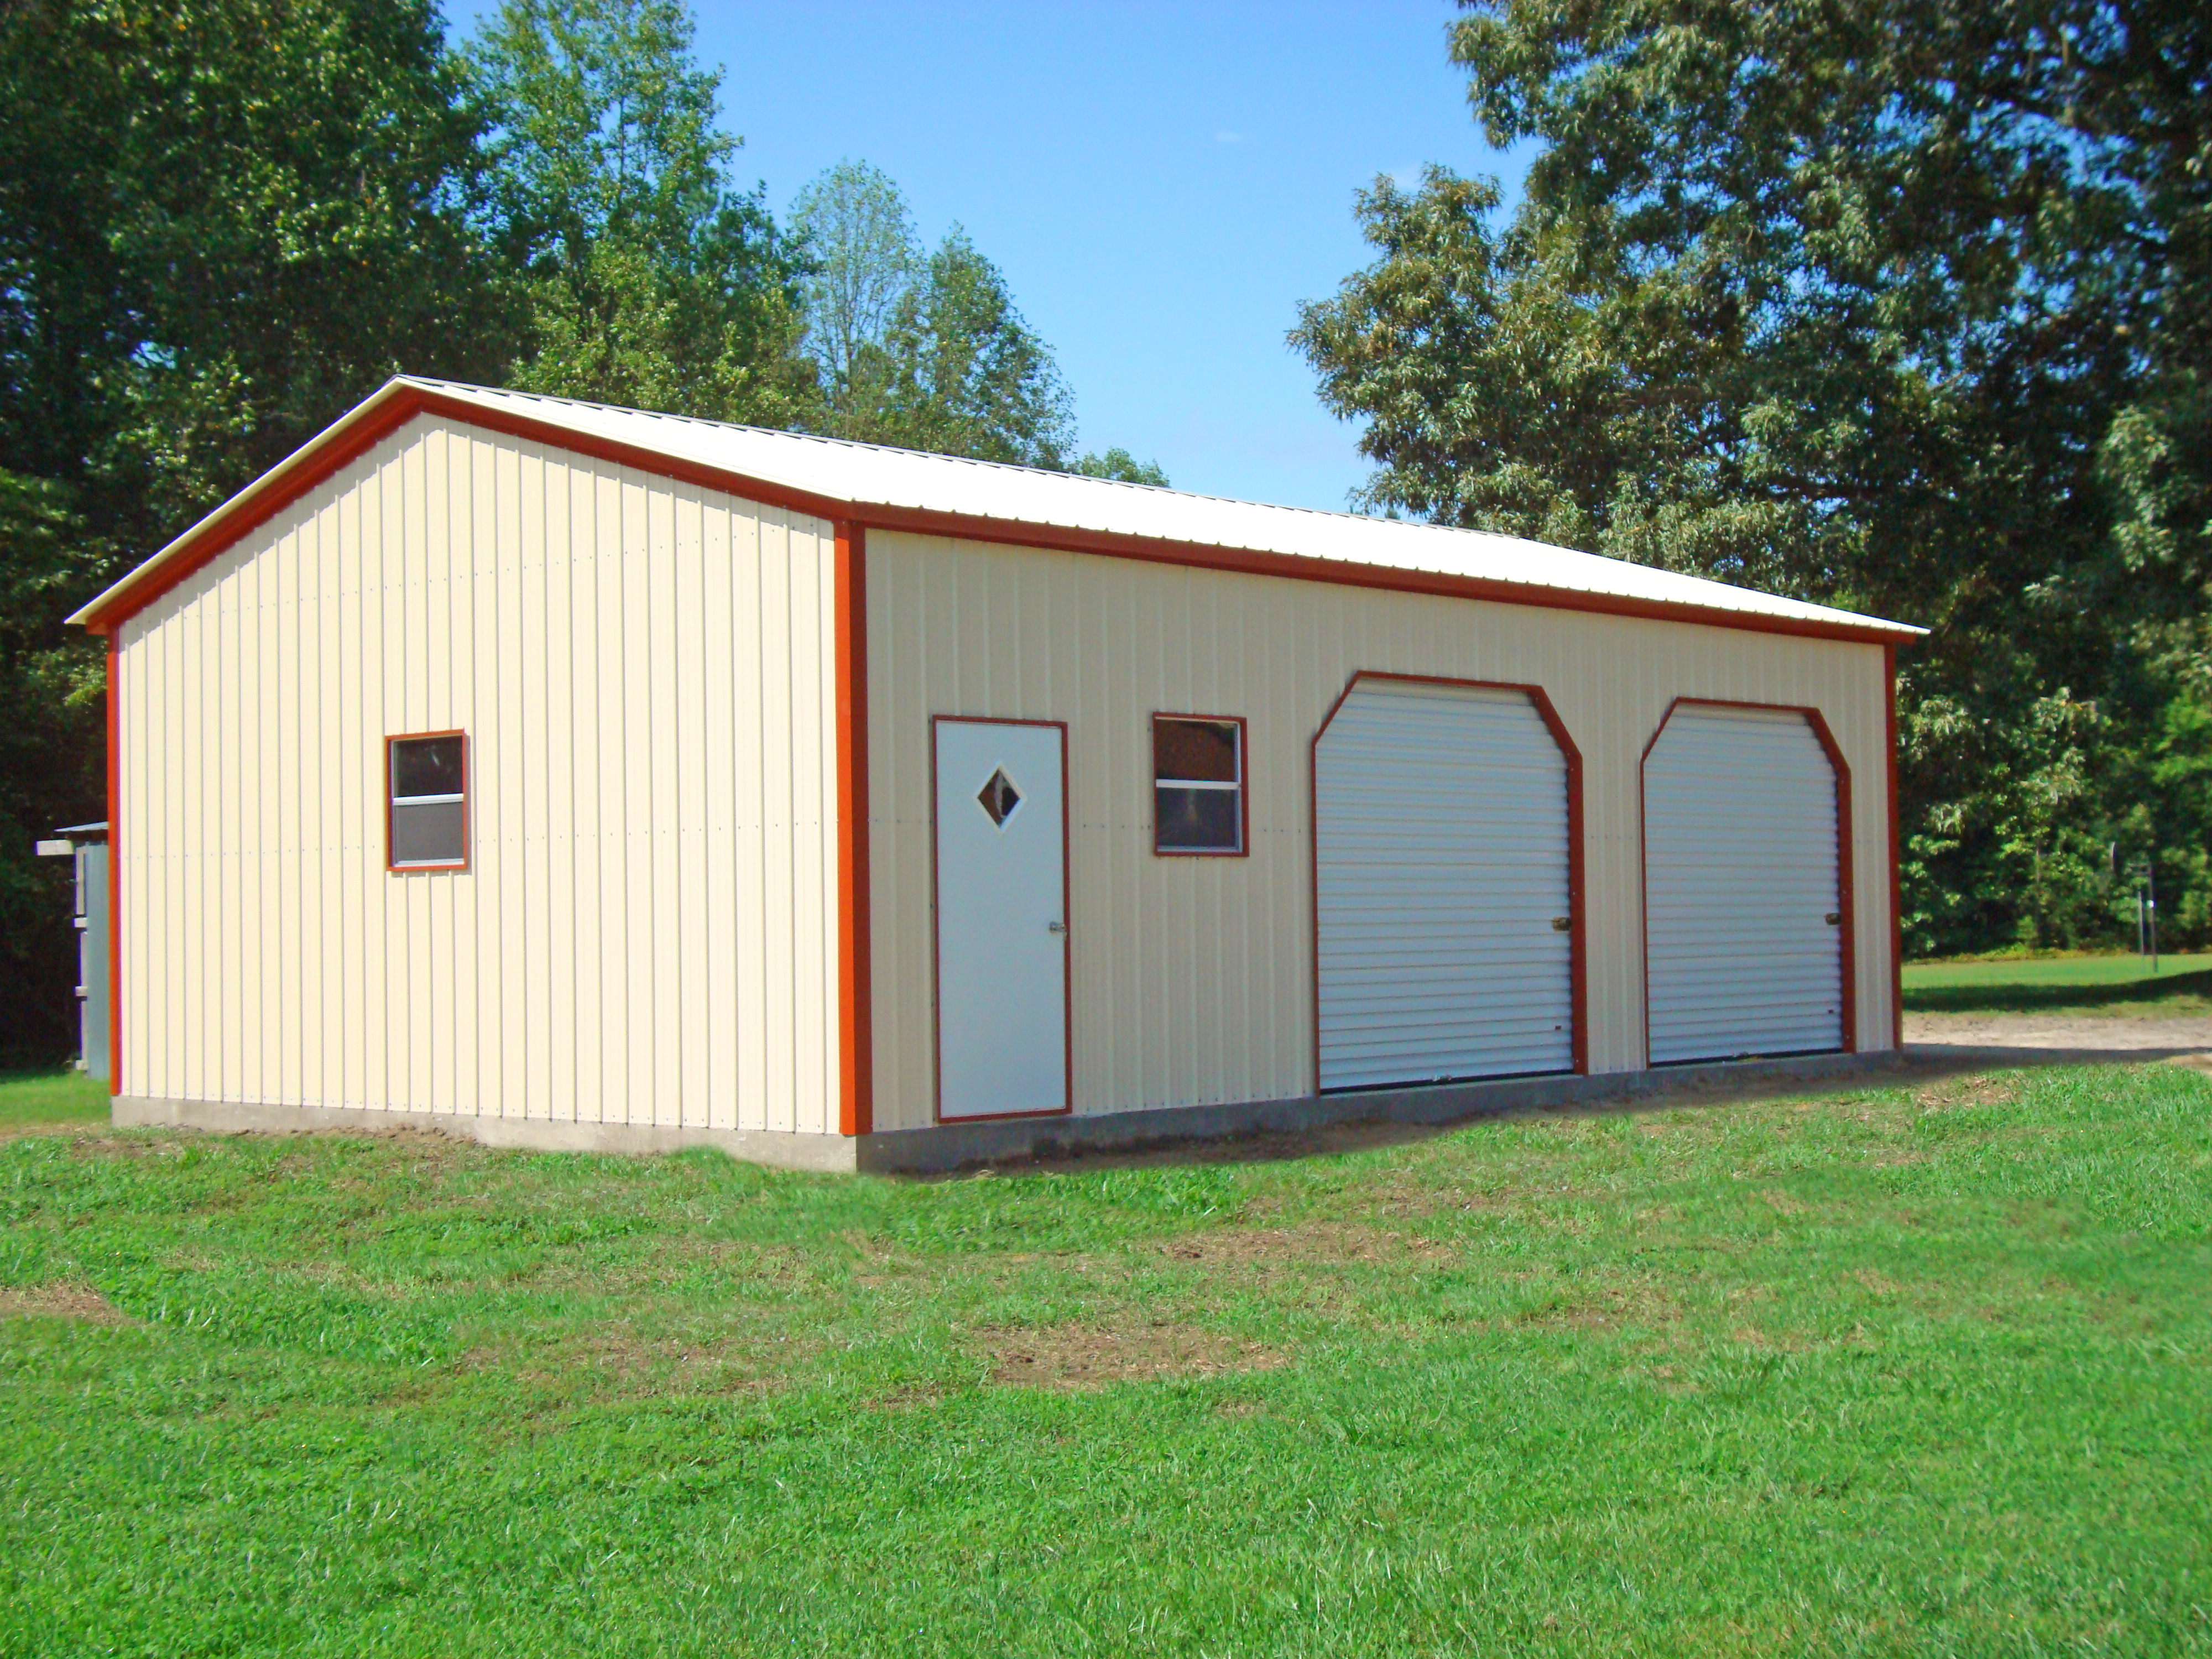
{"points": [[855, 1010]]}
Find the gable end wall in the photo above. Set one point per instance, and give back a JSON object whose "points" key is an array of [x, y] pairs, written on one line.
{"points": [[646, 932]]}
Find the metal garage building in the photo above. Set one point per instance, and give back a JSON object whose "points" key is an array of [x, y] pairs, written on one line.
{"points": [[580, 776]]}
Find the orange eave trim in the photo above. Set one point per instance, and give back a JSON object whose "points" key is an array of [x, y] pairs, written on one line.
{"points": [[398, 402]]}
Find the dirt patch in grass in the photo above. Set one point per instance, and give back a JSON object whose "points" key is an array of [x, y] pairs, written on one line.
{"points": [[1670, 1379], [1641, 1303], [616, 1361], [1079, 1357], [695, 1267], [422, 1153], [1975, 1089], [61, 1301], [1229, 1257], [55, 1129], [1244, 1249], [908, 1397], [1407, 1198]]}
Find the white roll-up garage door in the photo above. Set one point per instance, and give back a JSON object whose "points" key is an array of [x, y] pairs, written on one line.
{"points": [[1442, 881], [1743, 938]]}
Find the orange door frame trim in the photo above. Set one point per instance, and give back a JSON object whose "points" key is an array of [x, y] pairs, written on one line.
{"points": [[1846, 888], [1577, 920]]}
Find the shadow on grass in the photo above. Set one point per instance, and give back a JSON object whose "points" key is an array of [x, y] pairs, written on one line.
{"points": [[2023, 999], [1916, 1067]]}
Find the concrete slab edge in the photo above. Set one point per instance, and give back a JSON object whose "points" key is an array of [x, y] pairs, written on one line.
{"points": [[949, 1146], [829, 1154]]}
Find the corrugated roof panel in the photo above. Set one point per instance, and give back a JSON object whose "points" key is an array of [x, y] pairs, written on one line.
{"points": [[866, 476]]}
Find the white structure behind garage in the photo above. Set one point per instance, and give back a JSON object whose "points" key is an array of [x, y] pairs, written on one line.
{"points": [[684, 658]]}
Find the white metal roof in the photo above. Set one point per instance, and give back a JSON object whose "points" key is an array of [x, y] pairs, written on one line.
{"points": [[869, 475]]}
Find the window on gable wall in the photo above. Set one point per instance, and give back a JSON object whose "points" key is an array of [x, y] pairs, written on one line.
{"points": [[1198, 784], [429, 778]]}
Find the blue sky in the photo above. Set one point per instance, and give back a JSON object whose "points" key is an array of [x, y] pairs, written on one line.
{"points": [[1162, 185]]}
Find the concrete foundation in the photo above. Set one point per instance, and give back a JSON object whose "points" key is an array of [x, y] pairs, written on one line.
{"points": [[833, 1153], [956, 1145]]}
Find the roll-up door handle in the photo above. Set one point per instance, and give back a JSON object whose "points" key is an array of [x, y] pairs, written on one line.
{"points": [[1835, 918], [1055, 927], [1561, 924]]}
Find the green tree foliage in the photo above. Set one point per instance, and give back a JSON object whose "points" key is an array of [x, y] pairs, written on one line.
{"points": [[654, 282], [966, 375], [222, 223], [1897, 306], [863, 256], [922, 351], [1121, 466]]}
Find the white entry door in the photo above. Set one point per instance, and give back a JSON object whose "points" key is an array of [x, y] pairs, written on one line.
{"points": [[1442, 883], [1001, 919], [1742, 916]]}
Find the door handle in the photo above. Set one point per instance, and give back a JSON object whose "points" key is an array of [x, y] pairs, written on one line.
{"points": [[1561, 924], [1055, 927], [1835, 918]]}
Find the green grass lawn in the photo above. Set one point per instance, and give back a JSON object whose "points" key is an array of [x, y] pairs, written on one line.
{"points": [[1903, 1371], [30, 1098], [2109, 984]]}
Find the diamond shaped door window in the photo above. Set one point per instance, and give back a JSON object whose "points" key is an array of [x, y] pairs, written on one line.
{"points": [[1000, 798]]}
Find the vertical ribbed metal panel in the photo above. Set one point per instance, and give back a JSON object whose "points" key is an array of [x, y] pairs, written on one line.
{"points": [[1193, 978], [1441, 825], [646, 931], [1740, 881], [603, 635]]}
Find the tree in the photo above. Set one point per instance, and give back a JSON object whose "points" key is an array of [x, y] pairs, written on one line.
{"points": [[863, 257], [233, 218], [925, 353], [654, 282], [967, 376], [222, 223], [1894, 305], [1123, 467]]}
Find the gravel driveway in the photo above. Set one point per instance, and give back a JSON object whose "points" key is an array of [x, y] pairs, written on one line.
{"points": [[2115, 1036]]}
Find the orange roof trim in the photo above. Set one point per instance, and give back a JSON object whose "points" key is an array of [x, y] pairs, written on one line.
{"points": [[1546, 577]]}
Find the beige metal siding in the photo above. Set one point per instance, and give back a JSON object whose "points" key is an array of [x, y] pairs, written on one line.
{"points": [[647, 930], [1193, 977]]}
